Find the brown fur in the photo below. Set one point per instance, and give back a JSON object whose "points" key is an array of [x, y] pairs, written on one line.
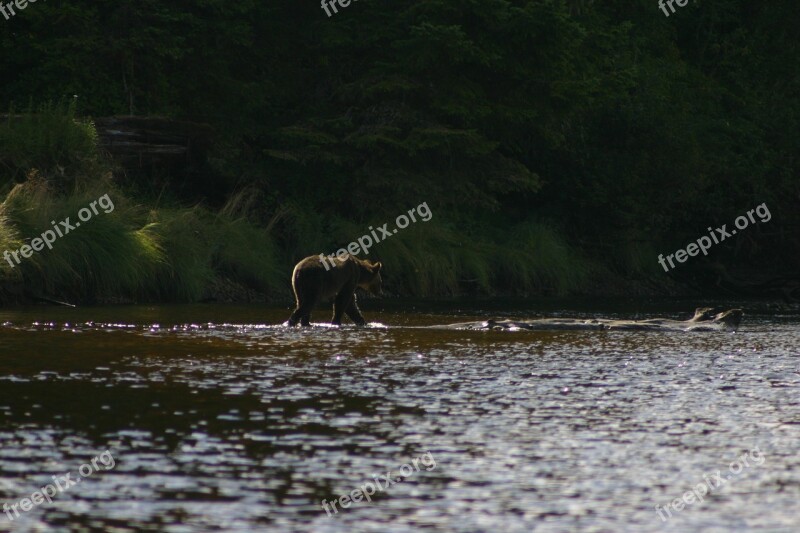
{"points": [[312, 282]]}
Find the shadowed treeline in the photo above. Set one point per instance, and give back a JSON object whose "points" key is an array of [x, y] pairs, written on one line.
{"points": [[562, 145]]}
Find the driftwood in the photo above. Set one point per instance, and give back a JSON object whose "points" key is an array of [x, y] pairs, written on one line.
{"points": [[138, 142], [705, 319]]}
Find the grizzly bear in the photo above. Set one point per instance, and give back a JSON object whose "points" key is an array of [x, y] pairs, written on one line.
{"points": [[312, 281]]}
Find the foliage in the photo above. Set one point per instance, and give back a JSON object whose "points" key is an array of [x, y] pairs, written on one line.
{"points": [[50, 139], [548, 136]]}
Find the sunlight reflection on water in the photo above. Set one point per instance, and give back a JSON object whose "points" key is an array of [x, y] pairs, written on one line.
{"points": [[236, 424]]}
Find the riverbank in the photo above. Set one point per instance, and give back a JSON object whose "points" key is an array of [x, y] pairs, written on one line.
{"points": [[125, 239], [151, 246]]}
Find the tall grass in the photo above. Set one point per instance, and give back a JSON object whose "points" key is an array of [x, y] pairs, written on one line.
{"points": [[199, 245], [49, 138], [534, 257], [132, 252], [175, 253], [106, 256], [247, 251], [431, 259], [184, 237], [9, 240]]}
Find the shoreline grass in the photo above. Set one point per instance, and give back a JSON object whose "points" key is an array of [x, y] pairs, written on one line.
{"points": [[155, 251]]}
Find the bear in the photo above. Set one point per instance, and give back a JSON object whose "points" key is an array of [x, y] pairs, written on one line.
{"points": [[314, 280]]}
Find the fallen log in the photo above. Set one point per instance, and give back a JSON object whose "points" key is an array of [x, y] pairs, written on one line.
{"points": [[139, 142], [704, 319]]}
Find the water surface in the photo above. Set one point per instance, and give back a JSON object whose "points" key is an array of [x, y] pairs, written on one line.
{"points": [[219, 419]]}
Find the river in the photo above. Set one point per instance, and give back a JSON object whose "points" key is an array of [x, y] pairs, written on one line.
{"points": [[211, 419]]}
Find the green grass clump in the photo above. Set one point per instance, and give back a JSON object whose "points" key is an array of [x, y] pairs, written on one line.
{"points": [[52, 140], [534, 257], [431, 259], [108, 255], [168, 254], [184, 236], [9, 240], [247, 253]]}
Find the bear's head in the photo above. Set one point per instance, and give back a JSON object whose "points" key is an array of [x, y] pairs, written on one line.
{"points": [[369, 276]]}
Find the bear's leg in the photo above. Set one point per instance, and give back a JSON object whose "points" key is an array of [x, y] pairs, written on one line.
{"points": [[303, 313], [341, 303], [295, 317], [355, 313]]}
